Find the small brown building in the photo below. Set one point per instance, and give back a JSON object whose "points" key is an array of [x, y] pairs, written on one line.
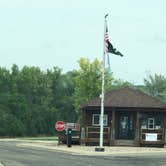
{"points": [[131, 117]]}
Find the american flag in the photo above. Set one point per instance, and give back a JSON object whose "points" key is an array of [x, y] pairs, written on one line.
{"points": [[106, 40], [109, 47]]}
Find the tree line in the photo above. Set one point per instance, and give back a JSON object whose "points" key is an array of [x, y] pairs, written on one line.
{"points": [[32, 100]]}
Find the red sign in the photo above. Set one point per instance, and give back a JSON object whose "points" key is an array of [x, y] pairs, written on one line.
{"points": [[60, 126]]}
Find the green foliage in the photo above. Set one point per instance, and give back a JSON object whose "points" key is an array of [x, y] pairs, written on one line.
{"points": [[120, 84], [88, 81], [156, 86], [10, 125], [31, 101]]}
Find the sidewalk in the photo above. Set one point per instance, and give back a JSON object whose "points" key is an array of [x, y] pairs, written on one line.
{"points": [[90, 150]]}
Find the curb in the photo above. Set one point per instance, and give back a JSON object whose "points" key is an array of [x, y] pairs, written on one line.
{"points": [[85, 153]]}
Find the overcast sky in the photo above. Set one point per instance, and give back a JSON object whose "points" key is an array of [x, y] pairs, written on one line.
{"points": [[49, 33]]}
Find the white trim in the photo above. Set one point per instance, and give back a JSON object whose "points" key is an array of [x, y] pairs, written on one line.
{"points": [[149, 123], [94, 118], [105, 118]]}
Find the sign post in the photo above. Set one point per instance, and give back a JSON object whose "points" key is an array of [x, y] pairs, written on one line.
{"points": [[69, 128], [69, 137]]}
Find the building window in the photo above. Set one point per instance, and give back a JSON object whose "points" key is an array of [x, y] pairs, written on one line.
{"points": [[151, 123], [96, 120]]}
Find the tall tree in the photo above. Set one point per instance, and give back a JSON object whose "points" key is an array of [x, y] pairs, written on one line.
{"points": [[156, 86], [62, 89], [88, 81]]}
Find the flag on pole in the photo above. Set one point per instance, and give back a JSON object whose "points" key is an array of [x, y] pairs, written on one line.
{"points": [[109, 47]]}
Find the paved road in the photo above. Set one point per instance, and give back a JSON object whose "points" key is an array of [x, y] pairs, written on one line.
{"points": [[11, 155]]}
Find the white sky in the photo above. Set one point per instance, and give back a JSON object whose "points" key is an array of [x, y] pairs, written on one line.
{"points": [[49, 33]]}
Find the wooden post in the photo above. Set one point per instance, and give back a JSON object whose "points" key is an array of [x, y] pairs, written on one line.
{"points": [[58, 139], [83, 118], [164, 128], [113, 127], [83, 130], [137, 128]]}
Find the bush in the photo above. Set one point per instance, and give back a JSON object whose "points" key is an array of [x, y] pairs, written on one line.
{"points": [[10, 126]]}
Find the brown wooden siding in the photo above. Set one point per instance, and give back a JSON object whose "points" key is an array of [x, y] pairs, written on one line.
{"points": [[112, 140], [89, 114]]}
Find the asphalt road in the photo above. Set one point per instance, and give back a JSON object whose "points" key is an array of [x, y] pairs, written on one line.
{"points": [[11, 155]]}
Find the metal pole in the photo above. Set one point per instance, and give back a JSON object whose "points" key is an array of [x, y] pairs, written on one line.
{"points": [[100, 148], [102, 93]]}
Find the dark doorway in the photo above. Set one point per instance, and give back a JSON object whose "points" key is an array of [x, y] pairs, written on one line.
{"points": [[125, 126]]}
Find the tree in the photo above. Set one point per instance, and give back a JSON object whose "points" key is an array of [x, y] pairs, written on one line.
{"points": [[121, 84], [156, 86], [62, 91], [26, 97], [88, 81], [5, 80], [32, 100], [10, 125]]}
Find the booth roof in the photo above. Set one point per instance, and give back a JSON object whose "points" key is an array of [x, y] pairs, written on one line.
{"points": [[126, 97]]}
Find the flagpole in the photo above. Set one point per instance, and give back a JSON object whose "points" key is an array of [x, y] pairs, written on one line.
{"points": [[101, 148]]}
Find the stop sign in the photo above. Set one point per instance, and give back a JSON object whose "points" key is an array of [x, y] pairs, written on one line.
{"points": [[60, 126]]}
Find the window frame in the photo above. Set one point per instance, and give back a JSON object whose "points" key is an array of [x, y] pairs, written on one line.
{"points": [[149, 123], [105, 119]]}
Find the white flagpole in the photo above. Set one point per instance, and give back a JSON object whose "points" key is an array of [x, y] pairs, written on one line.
{"points": [[102, 93]]}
